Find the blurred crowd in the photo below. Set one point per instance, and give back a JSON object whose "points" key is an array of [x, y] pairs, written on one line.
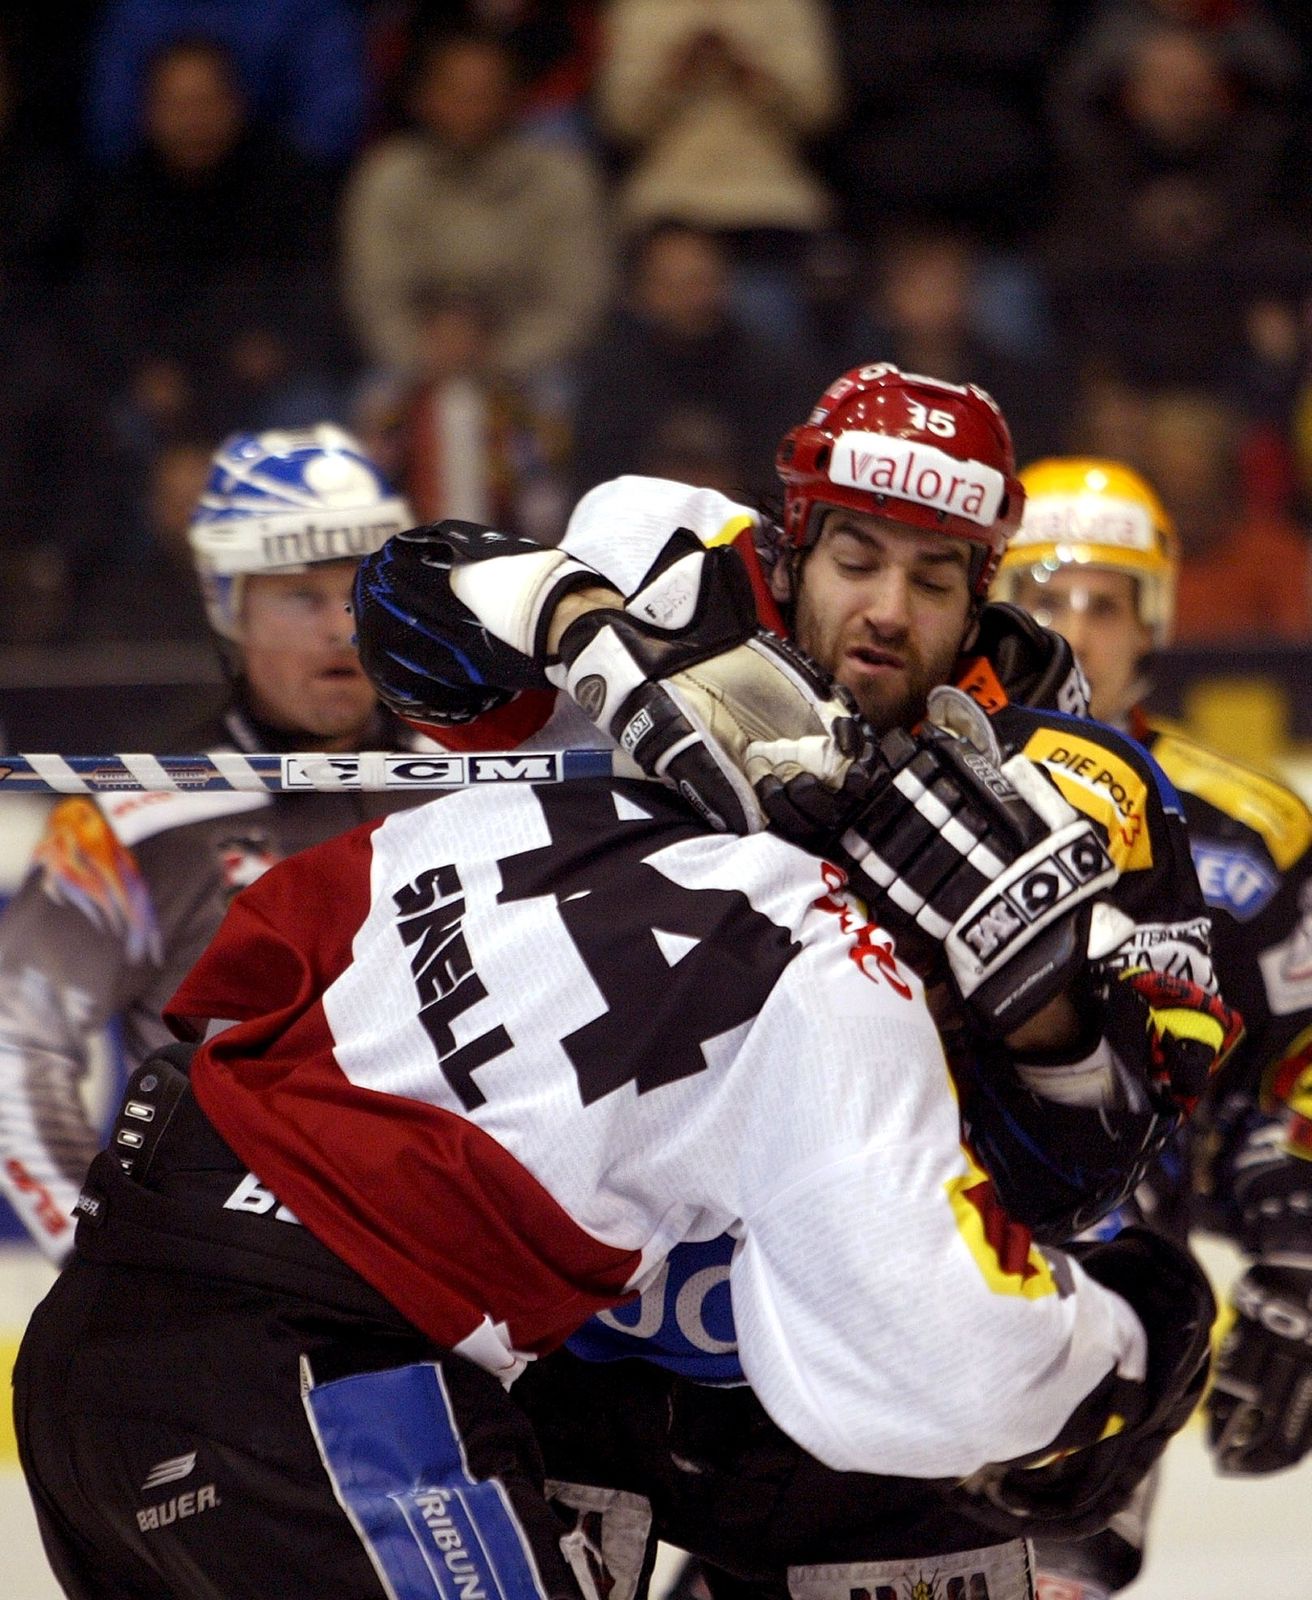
{"points": [[520, 246]]}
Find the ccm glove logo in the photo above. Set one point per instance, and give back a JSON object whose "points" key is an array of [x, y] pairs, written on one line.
{"points": [[1022, 906]]}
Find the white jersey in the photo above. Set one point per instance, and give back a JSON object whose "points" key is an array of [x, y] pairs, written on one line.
{"points": [[504, 1052], [619, 527]]}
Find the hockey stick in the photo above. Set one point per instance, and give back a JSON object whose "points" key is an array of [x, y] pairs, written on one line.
{"points": [[300, 773]]}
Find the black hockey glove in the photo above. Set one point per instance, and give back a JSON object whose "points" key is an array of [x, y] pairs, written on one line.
{"points": [[700, 696], [427, 654], [1253, 1188], [1259, 1409], [987, 863], [1093, 1467]]}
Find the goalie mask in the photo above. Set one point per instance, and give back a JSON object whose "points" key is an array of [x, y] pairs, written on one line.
{"points": [[1082, 512], [914, 450], [283, 501]]}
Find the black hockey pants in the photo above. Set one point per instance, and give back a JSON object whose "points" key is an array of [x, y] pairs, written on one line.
{"points": [[208, 1404]]}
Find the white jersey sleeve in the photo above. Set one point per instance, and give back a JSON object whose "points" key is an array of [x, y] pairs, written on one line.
{"points": [[890, 1316], [621, 526]]}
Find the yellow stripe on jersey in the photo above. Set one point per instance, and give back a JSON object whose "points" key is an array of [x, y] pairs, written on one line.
{"points": [[1103, 787], [1003, 1250], [730, 531], [1267, 807], [1287, 1088], [8, 1444]]}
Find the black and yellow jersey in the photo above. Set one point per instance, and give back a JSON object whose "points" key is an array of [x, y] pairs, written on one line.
{"points": [[1251, 841]]}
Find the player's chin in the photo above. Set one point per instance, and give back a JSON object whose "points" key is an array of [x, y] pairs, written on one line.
{"points": [[335, 707], [890, 704]]}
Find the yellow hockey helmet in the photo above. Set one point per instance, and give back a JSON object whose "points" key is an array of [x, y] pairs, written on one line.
{"points": [[1082, 511]]}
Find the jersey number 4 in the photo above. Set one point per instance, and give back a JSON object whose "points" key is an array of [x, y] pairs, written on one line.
{"points": [[676, 967]]}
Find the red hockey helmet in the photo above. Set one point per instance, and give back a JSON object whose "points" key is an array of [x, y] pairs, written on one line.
{"points": [[916, 450]]}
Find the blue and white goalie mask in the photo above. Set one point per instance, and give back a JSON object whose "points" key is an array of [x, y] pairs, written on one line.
{"points": [[283, 501]]}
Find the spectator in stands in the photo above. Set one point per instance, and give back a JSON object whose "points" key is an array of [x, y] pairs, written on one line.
{"points": [[461, 441], [712, 107], [299, 63], [210, 271], [145, 589], [943, 111], [465, 201], [673, 346], [1175, 210], [914, 300], [554, 43], [693, 445]]}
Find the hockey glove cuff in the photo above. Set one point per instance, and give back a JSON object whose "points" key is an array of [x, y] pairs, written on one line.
{"points": [[1179, 1031], [434, 660], [698, 695]]}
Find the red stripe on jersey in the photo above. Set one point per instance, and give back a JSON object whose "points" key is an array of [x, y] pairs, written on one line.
{"points": [[509, 725], [1010, 1241], [423, 1204]]}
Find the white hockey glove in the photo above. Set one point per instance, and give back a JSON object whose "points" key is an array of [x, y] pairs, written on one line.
{"points": [[682, 677], [686, 681]]}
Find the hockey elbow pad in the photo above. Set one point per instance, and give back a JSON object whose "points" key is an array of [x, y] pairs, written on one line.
{"points": [[1116, 1435]]}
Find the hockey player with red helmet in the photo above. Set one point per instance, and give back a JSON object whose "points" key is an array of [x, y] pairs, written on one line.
{"points": [[900, 498]]}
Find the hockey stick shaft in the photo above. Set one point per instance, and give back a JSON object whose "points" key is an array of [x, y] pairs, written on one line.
{"points": [[307, 772]]}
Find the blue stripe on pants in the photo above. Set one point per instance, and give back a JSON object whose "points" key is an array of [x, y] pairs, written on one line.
{"points": [[390, 1445]]}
